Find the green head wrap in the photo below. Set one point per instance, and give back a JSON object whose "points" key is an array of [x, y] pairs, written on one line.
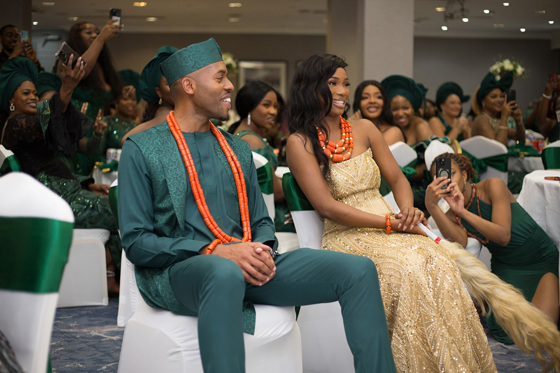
{"points": [[398, 85], [13, 73], [189, 59], [130, 77], [151, 75], [490, 82], [423, 90], [447, 89], [48, 82]]}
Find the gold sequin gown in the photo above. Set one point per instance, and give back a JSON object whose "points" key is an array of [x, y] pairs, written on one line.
{"points": [[432, 321]]}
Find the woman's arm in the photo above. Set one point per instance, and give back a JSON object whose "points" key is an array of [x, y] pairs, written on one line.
{"points": [[482, 127], [392, 135], [423, 130], [544, 123], [519, 132], [90, 56], [70, 77], [437, 127]]}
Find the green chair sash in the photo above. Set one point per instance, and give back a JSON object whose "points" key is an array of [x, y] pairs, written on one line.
{"points": [[34, 252], [499, 162], [265, 176], [296, 199], [520, 151], [113, 192], [551, 157], [10, 164]]}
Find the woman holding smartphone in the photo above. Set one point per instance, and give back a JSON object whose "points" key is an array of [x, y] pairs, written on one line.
{"points": [[522, 253]]}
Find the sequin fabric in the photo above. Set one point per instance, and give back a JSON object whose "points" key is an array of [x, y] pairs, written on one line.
{"points": [[433, 324]]}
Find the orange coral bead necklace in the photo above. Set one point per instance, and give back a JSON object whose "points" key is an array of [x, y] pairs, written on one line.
{"points": [[334, 150], [220, 235]]}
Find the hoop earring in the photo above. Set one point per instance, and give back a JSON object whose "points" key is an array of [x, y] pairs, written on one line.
{"points": [[12, 107], [249, 120], [160, 101]]}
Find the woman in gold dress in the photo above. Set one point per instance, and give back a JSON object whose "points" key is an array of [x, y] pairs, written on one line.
{"points": [[432, 320]]}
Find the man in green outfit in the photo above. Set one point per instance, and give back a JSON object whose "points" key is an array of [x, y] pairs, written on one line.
{"points": [[179, 264]]}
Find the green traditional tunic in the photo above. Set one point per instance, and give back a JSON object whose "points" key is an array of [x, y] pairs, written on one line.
{"points": [[281, 208], [529, 255]]}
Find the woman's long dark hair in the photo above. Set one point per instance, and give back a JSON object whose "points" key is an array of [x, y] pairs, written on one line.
{"points": [[248, 98], [104, 61], [386, 116], [310, 100]]}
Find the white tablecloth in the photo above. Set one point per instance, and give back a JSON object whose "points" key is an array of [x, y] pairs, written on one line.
{"points": [[541, 199], [525, 164]]}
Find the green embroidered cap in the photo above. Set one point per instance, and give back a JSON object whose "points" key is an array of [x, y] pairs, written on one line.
{"points": [[189, 59], [48, 82], [13, 73], [447, 89], [398, 85], [151, 75]]}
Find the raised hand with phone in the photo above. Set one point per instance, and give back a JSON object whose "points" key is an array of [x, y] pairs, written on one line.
{"points": [[16, 43], [548, 109]]}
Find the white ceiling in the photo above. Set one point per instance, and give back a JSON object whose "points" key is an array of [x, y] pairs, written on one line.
{"points": [[300, 17]]}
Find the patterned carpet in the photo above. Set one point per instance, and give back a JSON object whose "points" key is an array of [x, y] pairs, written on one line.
{"points": [[87, 339]]}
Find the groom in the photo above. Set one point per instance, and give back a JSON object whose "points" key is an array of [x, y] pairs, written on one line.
{"points": [[194, 223]]}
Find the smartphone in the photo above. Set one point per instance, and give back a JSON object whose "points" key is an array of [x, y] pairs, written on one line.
{"points": [[443, 168], [553, 79], [24, 35], [115, 15], [63, 54], [511, 95]]}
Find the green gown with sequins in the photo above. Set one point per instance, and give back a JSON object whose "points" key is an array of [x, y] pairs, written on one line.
{"points": [[111, 138], [529, 255]]}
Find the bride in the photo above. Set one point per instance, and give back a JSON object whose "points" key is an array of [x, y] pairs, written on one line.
{"points": [[432, 320]]}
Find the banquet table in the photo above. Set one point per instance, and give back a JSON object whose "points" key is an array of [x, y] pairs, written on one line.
{"points": [[525, 164]]}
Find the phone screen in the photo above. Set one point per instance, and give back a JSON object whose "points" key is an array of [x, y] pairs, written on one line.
{"points": [[115, 15], [443, 168], [511, 95], [23, 35]]}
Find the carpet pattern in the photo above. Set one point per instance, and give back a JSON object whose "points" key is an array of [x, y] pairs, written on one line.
{"points": [[87, 339]]}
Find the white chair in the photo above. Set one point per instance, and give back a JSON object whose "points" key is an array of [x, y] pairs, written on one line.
{"points": [[434, 149], [8, 162], [36, 230], [482, 148], [323, 339], [405, 156]]}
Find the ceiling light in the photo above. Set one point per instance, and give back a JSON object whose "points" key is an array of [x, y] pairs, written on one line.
{"points": [[486, 11], [48, 3], [35, 23], [522, 29], [465, 19], [235, 5], [233, 19], [550, 22], [140, 4], [540, 11], [73, 19], [440, 9], [151, 19], [444, 28], [498, 25], [506, 4]]}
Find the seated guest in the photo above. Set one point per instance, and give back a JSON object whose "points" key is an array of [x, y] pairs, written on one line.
{"points": [[153, 89], [371, 102], [449, 122], [206, 255], [548, 113], [258, 107], [13, 46], [497, 118], [37, 131], [47, 85], [522, 253]]}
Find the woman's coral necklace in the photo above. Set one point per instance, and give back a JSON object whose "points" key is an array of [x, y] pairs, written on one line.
{"points": [[220, 235], [458, 219], [334, 150]]}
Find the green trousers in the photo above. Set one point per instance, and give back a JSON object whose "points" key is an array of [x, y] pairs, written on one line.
{"points": [[214, 288]]}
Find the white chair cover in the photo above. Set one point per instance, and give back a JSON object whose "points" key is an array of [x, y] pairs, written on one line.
{"points": [[483, 147], [434, 149], [403, 153]]}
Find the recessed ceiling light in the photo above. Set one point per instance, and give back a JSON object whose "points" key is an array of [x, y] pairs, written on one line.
{"points": [[498, 25], [540, 11], [48, 3], [235, 5], [233, 19], [140, 4], [465, 19], [506, 4], [151, 19], [550, 22], [486, 11], [444, 28], [522, 29], [73, 19], [35, 23], [440, 9]]}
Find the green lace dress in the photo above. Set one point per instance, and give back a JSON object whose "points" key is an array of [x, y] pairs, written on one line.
{"points": [[282, 211], [529, 255]]}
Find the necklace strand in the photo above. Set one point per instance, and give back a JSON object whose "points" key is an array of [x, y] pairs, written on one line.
{"points": [[220, 235], [334, 150], [458, 219]]}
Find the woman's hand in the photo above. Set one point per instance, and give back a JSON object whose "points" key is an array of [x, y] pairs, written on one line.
{"points": [[409, 217], [455, 199], [462, 123], [101, 189], [357, 115], [507, 108], [434, 191], [109, 31], [71, 77], [516, 113], [99, 126]]}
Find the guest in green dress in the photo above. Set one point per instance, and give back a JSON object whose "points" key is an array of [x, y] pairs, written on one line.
{"points": [[258, 106], [522, 253], [449, 122]]}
